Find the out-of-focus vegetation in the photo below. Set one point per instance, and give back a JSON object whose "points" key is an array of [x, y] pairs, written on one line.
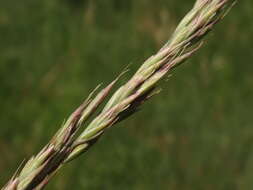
{"points": [[197, 134]]}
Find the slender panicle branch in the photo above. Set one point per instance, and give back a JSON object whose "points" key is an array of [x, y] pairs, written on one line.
{"points": [[67, 145]]}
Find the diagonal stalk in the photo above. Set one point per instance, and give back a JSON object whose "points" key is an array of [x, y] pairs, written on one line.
{"points": [[67, 145]]}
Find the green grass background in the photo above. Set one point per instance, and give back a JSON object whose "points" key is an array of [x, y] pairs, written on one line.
{"points": [[196, 135]]}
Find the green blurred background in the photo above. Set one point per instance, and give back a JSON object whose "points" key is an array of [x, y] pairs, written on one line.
{"points": [[197, 134]]}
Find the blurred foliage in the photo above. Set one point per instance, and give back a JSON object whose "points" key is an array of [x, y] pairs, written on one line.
{"points": [[197, 134]]}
